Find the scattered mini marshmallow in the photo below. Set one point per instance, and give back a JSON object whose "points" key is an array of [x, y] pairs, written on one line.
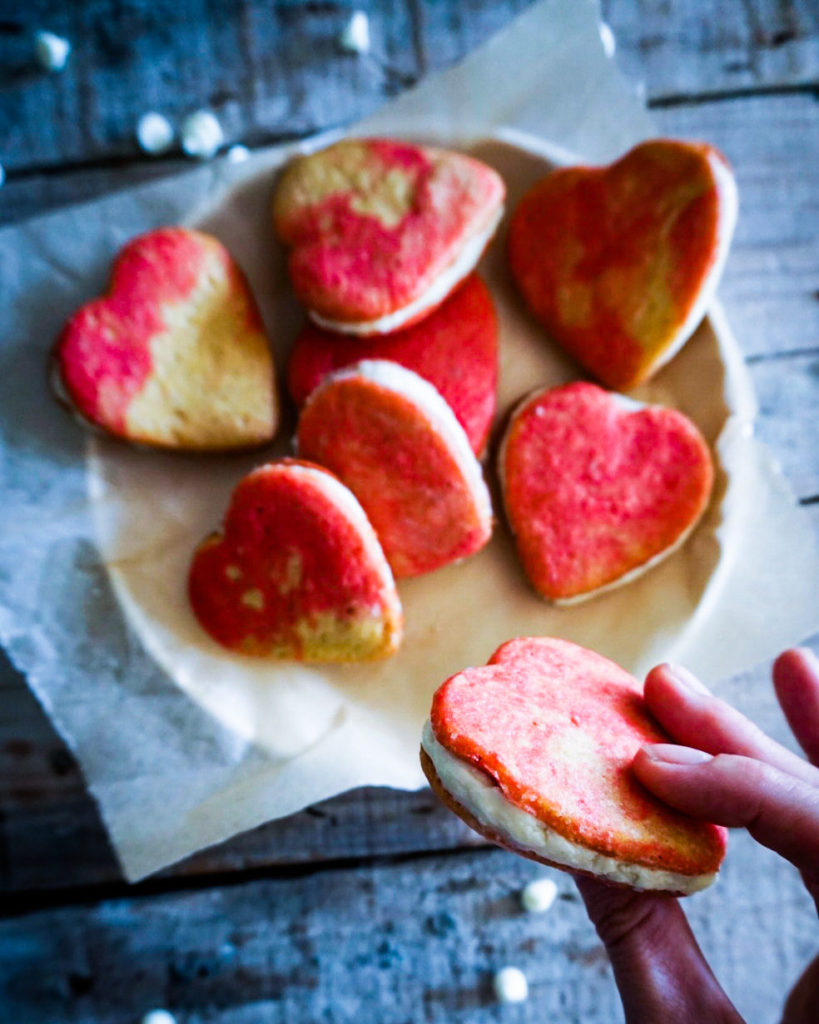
{"points": [[510, 985], [609, 42], [154, 133], [202, 135], [355, 36], [52, 51], [158, 1017], [539, 895], [237, 154]]}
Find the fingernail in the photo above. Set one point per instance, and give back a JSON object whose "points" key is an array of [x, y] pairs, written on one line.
{"points": [[670, 753], [687, 680]]}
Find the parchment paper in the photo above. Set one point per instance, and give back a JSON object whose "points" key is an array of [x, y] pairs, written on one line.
{"points": [[183, 745]]}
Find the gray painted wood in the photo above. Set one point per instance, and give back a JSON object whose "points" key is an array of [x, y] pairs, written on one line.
{"points": [[271, 70], [302, 919], [411, 941]]}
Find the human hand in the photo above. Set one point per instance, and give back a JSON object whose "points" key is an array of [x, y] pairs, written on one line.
{"points": [[731, 774]]}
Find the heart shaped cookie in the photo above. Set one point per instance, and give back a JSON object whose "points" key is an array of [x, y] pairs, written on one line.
{"points": [[534, 751], [297, 573], [392, 439], [455, 349], [381, 231], [599, 488], [619, 263], [175, 355]]}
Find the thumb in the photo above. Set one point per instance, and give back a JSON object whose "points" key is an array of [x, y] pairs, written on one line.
{"points": [[779, 810], [660, 971]]}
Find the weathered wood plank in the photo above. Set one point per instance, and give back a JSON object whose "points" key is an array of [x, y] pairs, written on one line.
{"points": [[409, 941], [682, 50], [271, 70], [771, 283]]}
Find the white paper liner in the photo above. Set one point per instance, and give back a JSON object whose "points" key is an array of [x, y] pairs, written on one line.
{"points": [[173, 774]]}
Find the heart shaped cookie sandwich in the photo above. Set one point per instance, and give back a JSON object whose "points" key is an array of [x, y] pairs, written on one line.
{"points": [[175, 354], [381, 231], [297, 573], [534, 752], [392, 439], [619, 263], [455, 349], [599, 488]]}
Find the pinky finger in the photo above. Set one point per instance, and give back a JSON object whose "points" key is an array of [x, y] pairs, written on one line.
{"points": [[796, 680]]}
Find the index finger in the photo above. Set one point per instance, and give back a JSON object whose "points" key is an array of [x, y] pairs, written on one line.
{"points": [[696, 718]]}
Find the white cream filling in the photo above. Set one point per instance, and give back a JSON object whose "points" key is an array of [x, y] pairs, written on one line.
{"points": [[398, 379], [463, 264], [728, 206], [475, 791]]}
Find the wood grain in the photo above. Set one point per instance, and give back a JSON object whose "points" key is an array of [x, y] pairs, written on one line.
{"points": [[412, 940], [371, 906], [273, 70]]}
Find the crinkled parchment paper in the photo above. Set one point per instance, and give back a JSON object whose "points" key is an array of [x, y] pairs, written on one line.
{"points": [[182, 744]]}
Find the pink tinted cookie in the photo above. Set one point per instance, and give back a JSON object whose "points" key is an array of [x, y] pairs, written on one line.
{"points": [[619, 263], [381, 231], [394, 441], [598, 488], [455, 349], [534, 751], [297, 572], [175, 354]]}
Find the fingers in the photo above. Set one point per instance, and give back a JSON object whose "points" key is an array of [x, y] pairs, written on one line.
{"points": [[779, 810], [694, 717], [796, 680], [660, 971]]}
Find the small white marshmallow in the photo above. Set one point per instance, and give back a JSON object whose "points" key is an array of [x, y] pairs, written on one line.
{"points": [[510, 985], [355, 36], [201, 135], [154, 133], [609, 42], [538, 896], [52, 51], [237, 154], [158, 1017]]}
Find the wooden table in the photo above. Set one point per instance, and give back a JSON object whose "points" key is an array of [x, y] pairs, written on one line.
{"points": [[379, 905]]}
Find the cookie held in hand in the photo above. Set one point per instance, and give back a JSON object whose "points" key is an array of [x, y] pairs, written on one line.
{"points": [[297, 572], [381, 231], [619, 263], [599, 488], [534, 752], [175, 354], [455, 348], [392, 439]]}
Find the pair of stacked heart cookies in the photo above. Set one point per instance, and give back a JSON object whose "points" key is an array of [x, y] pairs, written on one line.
{"points": [[396, 375]]}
